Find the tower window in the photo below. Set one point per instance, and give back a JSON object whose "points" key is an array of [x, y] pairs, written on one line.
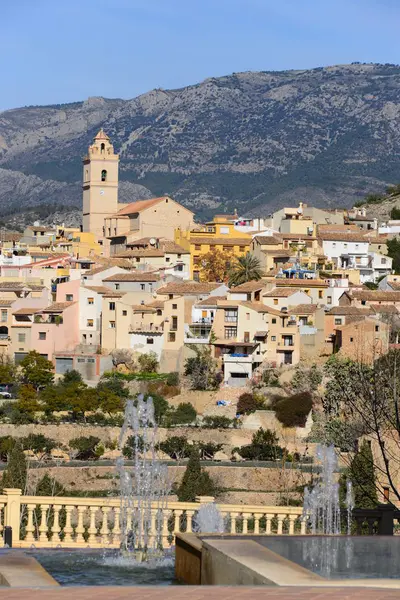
{"points": [[103, 173], [102, 148], [86, 175]]}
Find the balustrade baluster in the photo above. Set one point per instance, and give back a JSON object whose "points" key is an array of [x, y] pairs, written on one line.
{"points": [[303, 525], [104, 526], [92, 531], [245, 524], [257, 517], [165, 532], [189, 521], [68, 530], [116, 532], [292, 521], [233, 522], [80, 529], [177, 522], [43, 523], [269, 518], [1, 519], [30, 528], [55, 531]]}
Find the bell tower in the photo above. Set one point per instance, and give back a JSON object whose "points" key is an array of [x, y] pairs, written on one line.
{"points": [[100, 184]]}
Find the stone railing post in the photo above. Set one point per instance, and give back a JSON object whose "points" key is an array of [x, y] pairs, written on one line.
{"points": [[205, 499], [12, 511]]}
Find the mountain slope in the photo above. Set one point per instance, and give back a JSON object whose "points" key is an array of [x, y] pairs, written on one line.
{"points": [[251, 141]]}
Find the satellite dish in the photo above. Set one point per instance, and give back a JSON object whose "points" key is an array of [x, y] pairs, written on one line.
{"points": [[36, 223], [153, 241]]}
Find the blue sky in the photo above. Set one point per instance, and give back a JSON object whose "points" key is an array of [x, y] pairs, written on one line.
{"points": [[64, 50]]}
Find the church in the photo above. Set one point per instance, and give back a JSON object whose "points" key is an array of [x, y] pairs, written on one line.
{"points": [[115, 224]]}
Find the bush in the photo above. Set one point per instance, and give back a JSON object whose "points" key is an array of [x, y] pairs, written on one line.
{"points": [[173, 378], [196, 481], [48, 486], [6, 445], [177, 447], [264, 446], [163, 388], [39, 444], [183, 414], [219, 422], [305, 379], [85, 446], [113, 385], [208, 449], [15, 475], [248, 403], [148, 363], [271, 378], [293, 411], [132, 446], [161, 406]]}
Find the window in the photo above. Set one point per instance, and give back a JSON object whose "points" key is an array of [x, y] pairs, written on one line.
{"points": [[91, 360], [242, 248], [124, 313], [351, 339], [231, 316], [171, 336], [3, 316], [142, 287], [248, 316], [149, 340], [21, 338], [179, 255], [167, 259], [320, 294], [102, 148], [86, 175], [178, 267], [334, 244], [225, 248], [338, 321], [42, 335], [376, 328], [111, 305], [197, 246], [174, 325], [104, 175], [117, 286], [89, 323], [230, 332], [170, 296], [273, 338], [174, 307], [345, 245], [69, 297], [276, 301], [329, 300], [159, 312], [90, 300], [112, 325], [383, 261], [273, 321], [224, 230], [81, 360]]}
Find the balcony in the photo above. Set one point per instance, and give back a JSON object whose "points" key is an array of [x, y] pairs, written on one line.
{"points": [[146, 328], [197, 333], [238, 357], [231, 319]]}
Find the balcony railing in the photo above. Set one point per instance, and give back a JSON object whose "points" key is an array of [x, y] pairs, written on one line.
{"points": [[231, 319]]}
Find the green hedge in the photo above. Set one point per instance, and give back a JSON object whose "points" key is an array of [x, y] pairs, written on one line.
{"points": [[136, 376]]}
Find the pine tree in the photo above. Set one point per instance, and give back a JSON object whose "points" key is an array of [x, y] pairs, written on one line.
{"points": [[362, 475], [196, 481], [15, 475]]}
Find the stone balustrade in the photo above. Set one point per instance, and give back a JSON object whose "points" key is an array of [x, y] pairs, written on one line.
{"points": [[47, 522]]}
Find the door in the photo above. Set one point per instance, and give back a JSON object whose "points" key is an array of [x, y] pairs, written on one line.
{"points": [[287, 358], [63, 365]]}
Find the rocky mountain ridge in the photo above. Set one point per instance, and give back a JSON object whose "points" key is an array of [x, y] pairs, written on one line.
{"points": [[251, 141]]}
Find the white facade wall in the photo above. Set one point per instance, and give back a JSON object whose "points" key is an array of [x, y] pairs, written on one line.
{"points": [[89, 311], [334, 249], [197, 314], [293, 300], [139, 343]]}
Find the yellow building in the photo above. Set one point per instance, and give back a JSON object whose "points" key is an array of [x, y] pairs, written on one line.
{"points": [[218, 234], [81, 244]]}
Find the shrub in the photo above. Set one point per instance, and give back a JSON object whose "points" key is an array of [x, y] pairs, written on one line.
{"points": [[177, 447], [161, 406], [201, 370], [85, 446], [133, 444], [219, 422], [173, 378], [249, 403], [271, 378], [196, 481], [6, 445], [164, 389], [113, 385], [48, 486], [183, 414], [293, 411], [208, 449], [148, 363], [264, 446], [39, 444], [15, 475]]}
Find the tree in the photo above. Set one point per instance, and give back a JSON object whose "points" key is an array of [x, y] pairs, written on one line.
{"points": [[306, 379], [72, 376], [133, 444], [113, 385], [15, 476], [39, 444], [176, 446], [6, 445], [264, 446], [215, 265], [249, 403], [245, 268], [196, 481], [201, 370], [362, 475], [37, 370], [148, 362], [294, 410], [85, 447], [183, 414], [48, 486], [8, 373], [393, 250]]}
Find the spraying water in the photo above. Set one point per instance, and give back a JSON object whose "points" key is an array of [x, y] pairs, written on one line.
{"points": [[209, 519], [143, 489]]}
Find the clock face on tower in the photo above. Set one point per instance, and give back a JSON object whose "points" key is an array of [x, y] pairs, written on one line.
{"points": [[101, 192]]}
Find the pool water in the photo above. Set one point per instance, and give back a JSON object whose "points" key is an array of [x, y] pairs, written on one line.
{"points": [[98, 567]]}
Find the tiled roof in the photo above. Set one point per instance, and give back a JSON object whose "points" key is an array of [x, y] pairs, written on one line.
{"points": [[395, 285], [261, 308], [375, 295], [385, 308], [156, 304], [6, 301], [38, 228], [96, 270], [210, 241], [360, 218], [324, 228], [102, 135], [133, 276], [279, 293], [36, 287], [268, 240], [98, 289], [13, 285], [142, 253], [350, 311], [306, 283], [143, 308], [297, 236], [188, 287], [249, 286], [10, 236], [211, 301], [26, 311], [280, 252], [342, 237], [303, 309], [171, 248], [136, 207], [57, 307], [145, 241]]}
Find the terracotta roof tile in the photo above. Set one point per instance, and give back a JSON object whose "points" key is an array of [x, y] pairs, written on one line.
{"points": [[306, 283], [142, 253], [350, 311], [156, 304], [375, 295], [56, 307], [261, 308], [6, 301], [385, 309], [25, 311], [342, 237], [140, 205], [211, 301], [303, 309], [13, 285], [188, 287], [280, 293], [98, 289], [134, 276], [249, 286], [102, 135], [268, 240]]}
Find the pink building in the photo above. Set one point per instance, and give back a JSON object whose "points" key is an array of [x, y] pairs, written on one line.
{"points": [[56, 328]]}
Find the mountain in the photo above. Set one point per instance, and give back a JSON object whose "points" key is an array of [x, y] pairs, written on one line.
{"points": [[252, 141]]}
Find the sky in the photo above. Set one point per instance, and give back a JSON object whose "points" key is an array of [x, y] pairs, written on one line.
{"points": [[56, 51]]}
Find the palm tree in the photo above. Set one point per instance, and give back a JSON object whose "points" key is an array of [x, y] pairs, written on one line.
{"points": [[246, 268]]}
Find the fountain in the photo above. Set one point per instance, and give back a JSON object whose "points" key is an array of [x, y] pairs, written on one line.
{"points": [[209, 519], [143, 489]]}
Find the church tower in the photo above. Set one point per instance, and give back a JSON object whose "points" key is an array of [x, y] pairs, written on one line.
{"points": [[100, 184]]}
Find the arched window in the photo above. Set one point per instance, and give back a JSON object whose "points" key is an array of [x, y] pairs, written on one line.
{"points": [[104, 175], [102, 148]]}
